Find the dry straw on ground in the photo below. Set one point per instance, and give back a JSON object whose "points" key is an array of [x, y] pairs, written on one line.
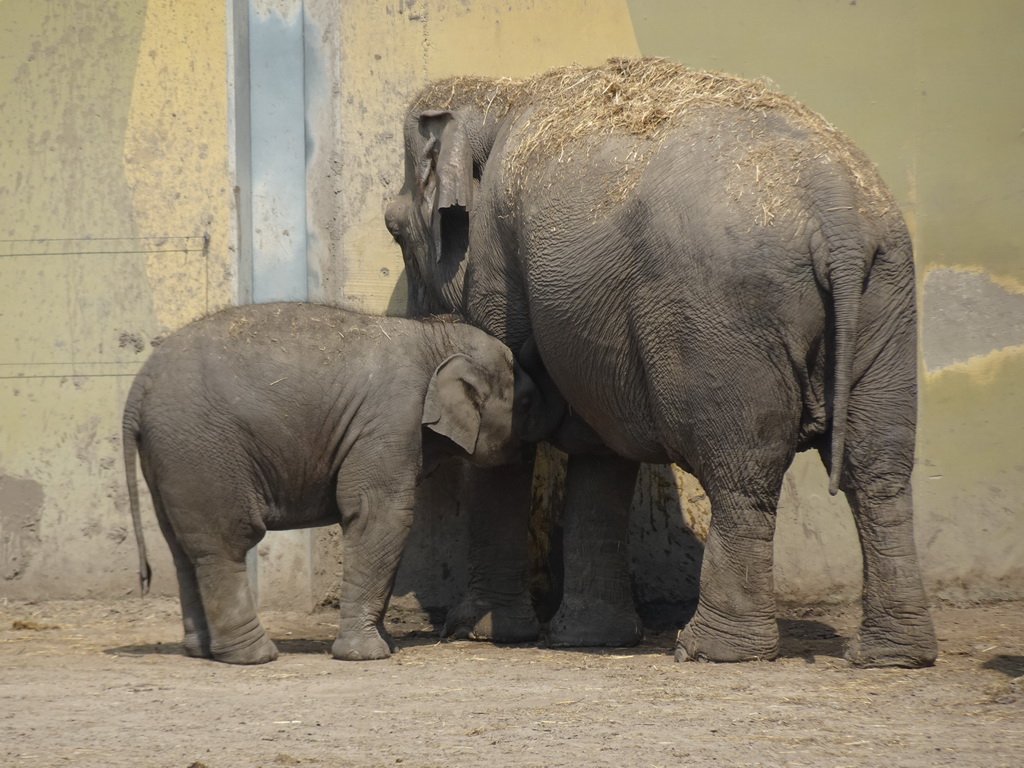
{"points": [[566, 112]]}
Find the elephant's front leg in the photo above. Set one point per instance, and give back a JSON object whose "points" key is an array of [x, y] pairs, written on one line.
{"points": [[597, 602], [497, 605], [375, 525]]}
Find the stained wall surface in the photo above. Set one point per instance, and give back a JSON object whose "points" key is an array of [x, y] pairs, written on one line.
{"points": [[119, 177], [115, 228]]}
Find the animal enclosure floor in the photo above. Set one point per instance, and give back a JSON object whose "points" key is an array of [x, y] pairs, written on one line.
{"points": [[103, 683]]}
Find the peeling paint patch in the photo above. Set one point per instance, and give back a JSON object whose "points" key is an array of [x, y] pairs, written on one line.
{"points": [[982, 369], [21, 507], [972, 322], [131, 340]]}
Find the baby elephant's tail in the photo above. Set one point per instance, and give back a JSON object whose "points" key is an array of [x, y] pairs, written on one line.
{"points": [[130, 441]]}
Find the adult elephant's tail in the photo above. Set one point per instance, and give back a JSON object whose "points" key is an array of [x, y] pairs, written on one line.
{"points": [[848, 268], [130, 441], [840, 265]]}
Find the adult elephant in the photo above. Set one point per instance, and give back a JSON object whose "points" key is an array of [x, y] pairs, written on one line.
{"points": [[710, 275]]}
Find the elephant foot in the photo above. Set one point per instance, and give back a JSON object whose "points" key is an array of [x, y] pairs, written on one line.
{"points": [[747, 642], [365, 645], [196, 631], [387, 638], [197, 647], [578, 625], [478, 619], [259, 649], [907, 643]]}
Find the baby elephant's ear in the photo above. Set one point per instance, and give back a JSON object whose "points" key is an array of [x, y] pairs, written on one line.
{"points": [[452, 404]]}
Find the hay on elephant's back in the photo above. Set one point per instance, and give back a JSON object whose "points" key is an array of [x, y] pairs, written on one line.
{"points": [[645, 100], [570, 109], [494, 95]]}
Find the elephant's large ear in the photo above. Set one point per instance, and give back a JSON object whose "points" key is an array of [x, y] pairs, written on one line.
{"points": [[446, 181], [452, 405]]}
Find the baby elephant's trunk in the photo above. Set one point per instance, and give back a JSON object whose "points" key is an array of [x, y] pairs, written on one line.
{"points": [[539, 407]]}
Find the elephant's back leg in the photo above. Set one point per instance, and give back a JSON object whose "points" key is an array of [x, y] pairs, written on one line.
{"points": [[211, 519], [737, 432], [197, 632], [896, 628]]}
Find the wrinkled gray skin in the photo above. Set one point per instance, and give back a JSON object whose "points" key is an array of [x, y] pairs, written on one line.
{"points": [[281, 416], [680, 328]]}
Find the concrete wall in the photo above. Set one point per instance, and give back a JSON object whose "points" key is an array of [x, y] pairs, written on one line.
{"points": [[115, 227], [119, 135]]}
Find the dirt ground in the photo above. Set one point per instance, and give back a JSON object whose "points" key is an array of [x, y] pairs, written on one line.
{"points": [[103, 683]]}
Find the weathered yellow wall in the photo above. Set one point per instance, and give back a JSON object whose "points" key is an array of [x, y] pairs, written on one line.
{"points": [[117, 225], [390, 50], [115, 222], [928, 88]]}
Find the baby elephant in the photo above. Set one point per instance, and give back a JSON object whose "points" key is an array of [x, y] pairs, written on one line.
{"points": [[281, 416]]}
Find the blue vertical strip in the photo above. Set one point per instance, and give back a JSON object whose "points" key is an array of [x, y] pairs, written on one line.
{"points": [[318, 103], [243, 145], [278, 146]]}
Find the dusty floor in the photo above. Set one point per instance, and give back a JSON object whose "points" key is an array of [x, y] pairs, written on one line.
{"points": [[104, 684]]}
